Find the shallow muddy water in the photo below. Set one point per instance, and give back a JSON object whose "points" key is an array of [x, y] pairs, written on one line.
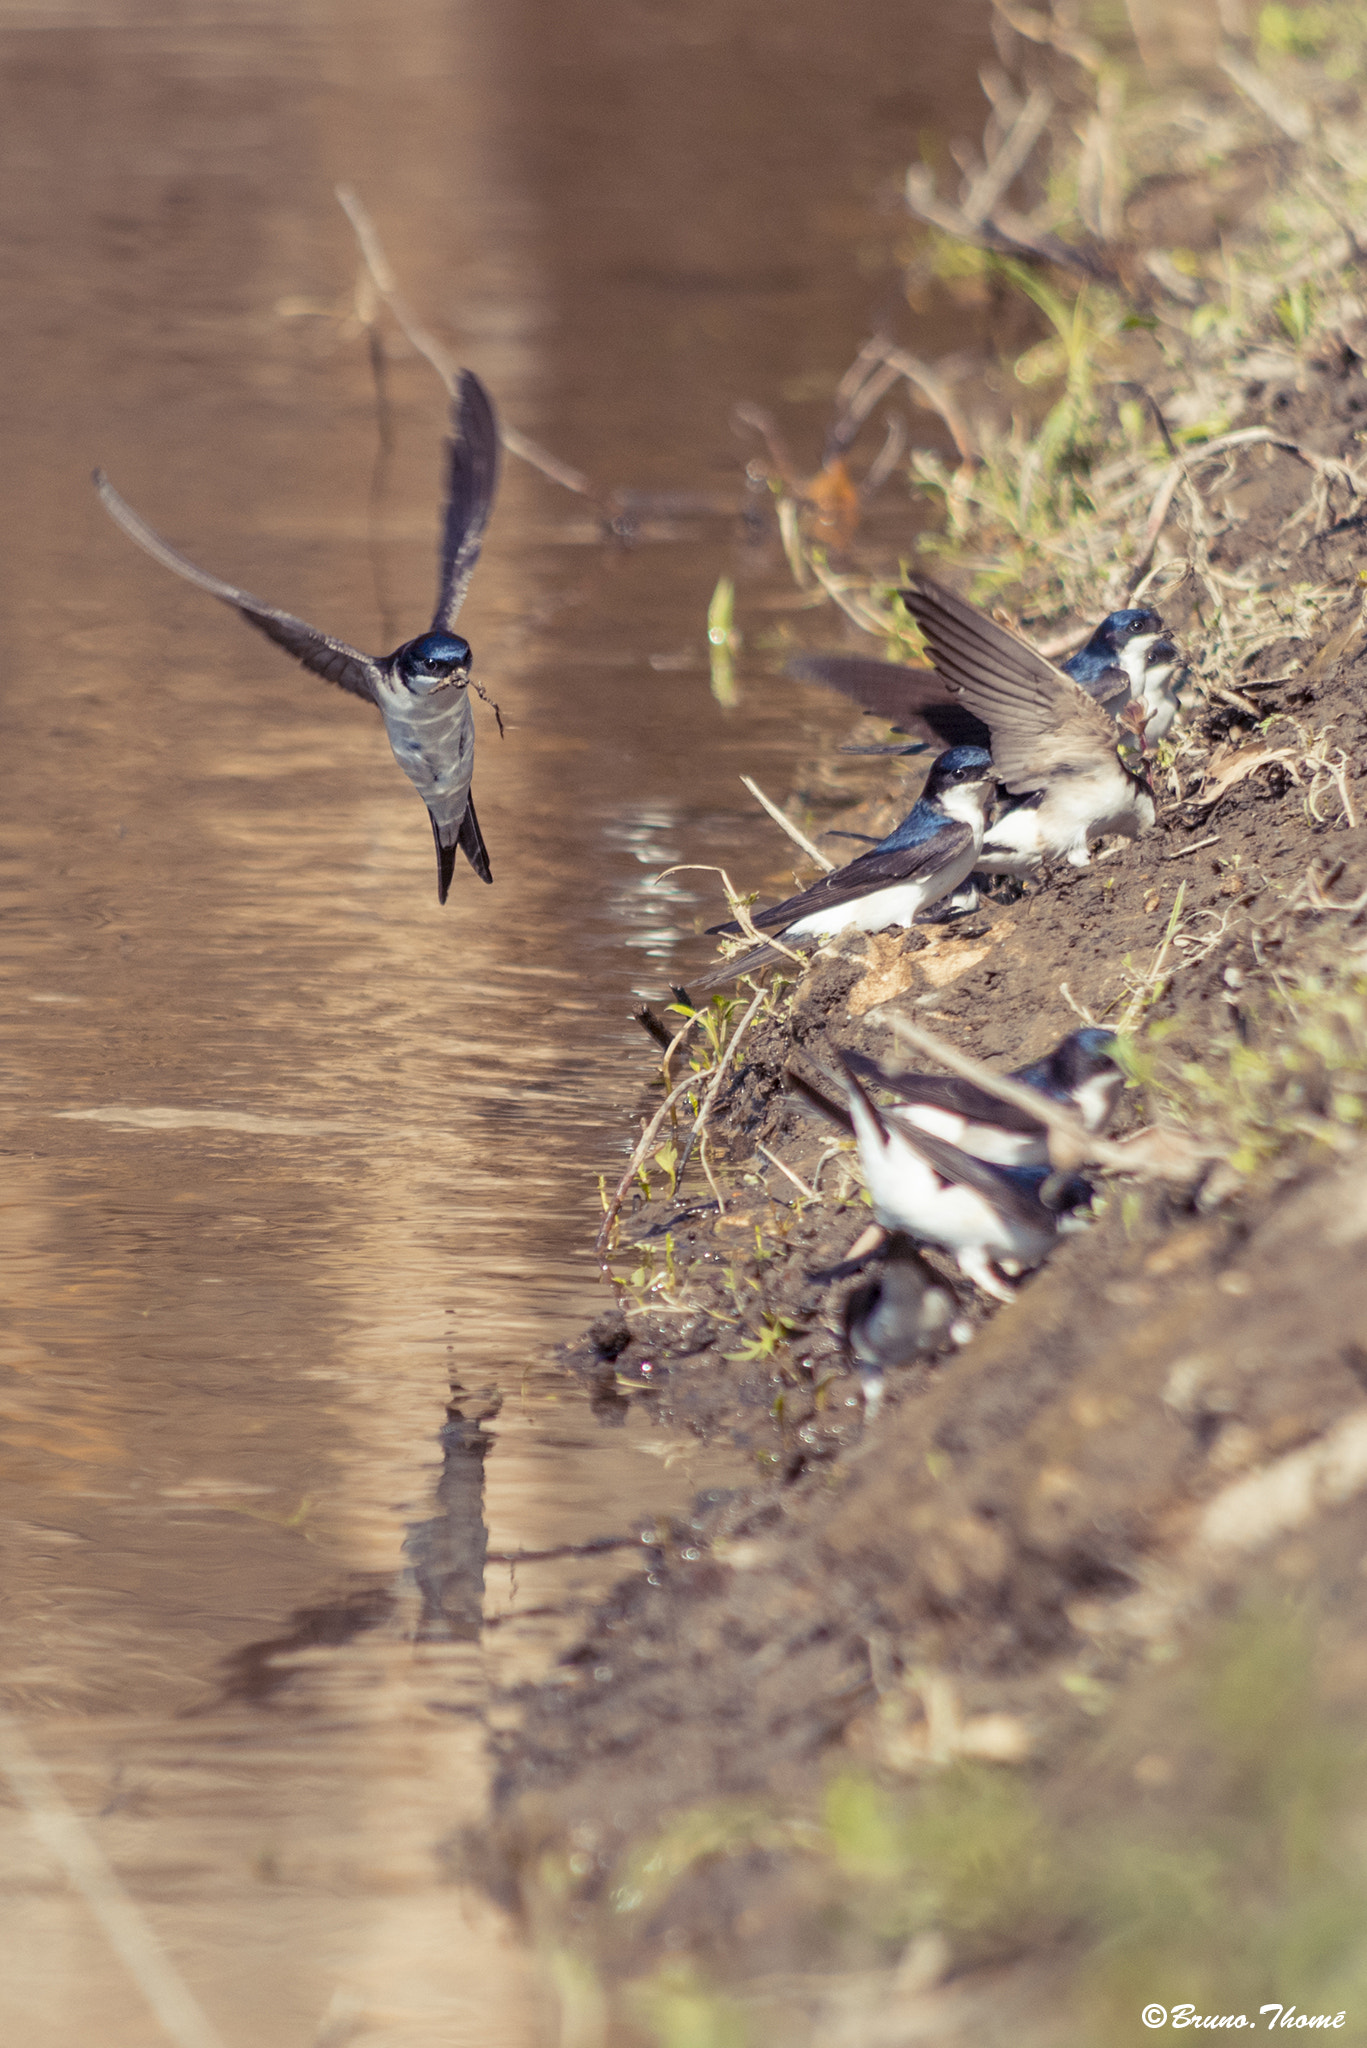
{"points": [[289, 1153]]}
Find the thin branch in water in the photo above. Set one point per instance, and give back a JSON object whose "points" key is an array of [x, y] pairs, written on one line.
{"points": [[884, 463], [441, 359], [379, 476], [67, 1838], [938, 396]]}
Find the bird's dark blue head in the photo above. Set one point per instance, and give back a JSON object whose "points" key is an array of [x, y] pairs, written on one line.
{"points": [[1115, 633], [959, 769], [433, 662], [1082, 1070], [1083, 1054], [956, 767], [1105, 649]]}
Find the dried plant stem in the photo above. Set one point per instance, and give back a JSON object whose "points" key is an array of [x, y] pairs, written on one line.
{"points": [[1154, 1154], [641, 1152], [64, 1834], [714, 1089], [1149, 987], [796, 1178], [1195, 847], [798, 837]]}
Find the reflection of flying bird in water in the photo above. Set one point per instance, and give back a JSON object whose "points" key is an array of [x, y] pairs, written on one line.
{"points": [[421, 690]]}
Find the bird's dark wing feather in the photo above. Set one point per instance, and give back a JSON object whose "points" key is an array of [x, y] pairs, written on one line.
{"points": [[1005, 1194], [872, 871], [471, 480], [820, 1097], [470, 840], [756, 961], [948, 1092], [914, 699], [1043, 723], [331, 659], [1111, 688]]}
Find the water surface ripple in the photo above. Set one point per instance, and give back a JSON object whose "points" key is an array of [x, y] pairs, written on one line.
{"points": [[299, 1170]]}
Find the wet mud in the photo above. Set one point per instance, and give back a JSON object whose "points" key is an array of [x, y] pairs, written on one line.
{"points": [[1029, 1521]]}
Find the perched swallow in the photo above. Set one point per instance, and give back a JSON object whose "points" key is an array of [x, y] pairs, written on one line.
{"points": [[931, 852], [421, 690], [987, 1216], [1129, 659], [1078, 774], [1081, 1073], [900, 1311]]}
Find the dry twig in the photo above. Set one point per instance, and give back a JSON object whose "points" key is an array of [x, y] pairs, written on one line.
{"points": [[794, 832], [1155, 1154]]}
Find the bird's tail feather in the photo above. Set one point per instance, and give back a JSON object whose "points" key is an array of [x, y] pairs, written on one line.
{"points": [[754, 962], [470, 840], [446, 862]]}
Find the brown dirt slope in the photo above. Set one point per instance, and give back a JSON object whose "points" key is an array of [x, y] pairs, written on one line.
{"points": [[1168, 1411]]}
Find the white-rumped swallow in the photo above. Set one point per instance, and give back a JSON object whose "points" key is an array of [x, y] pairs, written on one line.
{"points": [[1128, 659], [988, 1216], [1077, 774], [1081, 1074], [930, 853], [422, 689], [898, 1312]]}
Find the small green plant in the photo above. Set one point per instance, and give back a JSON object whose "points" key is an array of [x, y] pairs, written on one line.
{"points": [[774, 1331], [1295, 311], [1297, 1073], [723, 641]]}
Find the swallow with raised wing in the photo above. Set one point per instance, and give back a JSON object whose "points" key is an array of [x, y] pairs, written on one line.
{"points": [[993, 1219], [1076, 774], [422, 689], [1128, 659], [930, 853], [900, 1310], [1081, 1074]]}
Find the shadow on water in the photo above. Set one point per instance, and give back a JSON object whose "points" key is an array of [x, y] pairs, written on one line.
{"points": [[291, 1158]]}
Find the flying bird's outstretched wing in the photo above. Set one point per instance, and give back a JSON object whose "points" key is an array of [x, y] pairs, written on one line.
{"points": [[333, 660], [1043, 723], [913, 699], [471, 480]]}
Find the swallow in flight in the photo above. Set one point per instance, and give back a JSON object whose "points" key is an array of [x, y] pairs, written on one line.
{"points": [[421, 690]]}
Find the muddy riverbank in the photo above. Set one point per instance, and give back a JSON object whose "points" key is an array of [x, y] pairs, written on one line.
{"points": [[1033, 1703]]}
